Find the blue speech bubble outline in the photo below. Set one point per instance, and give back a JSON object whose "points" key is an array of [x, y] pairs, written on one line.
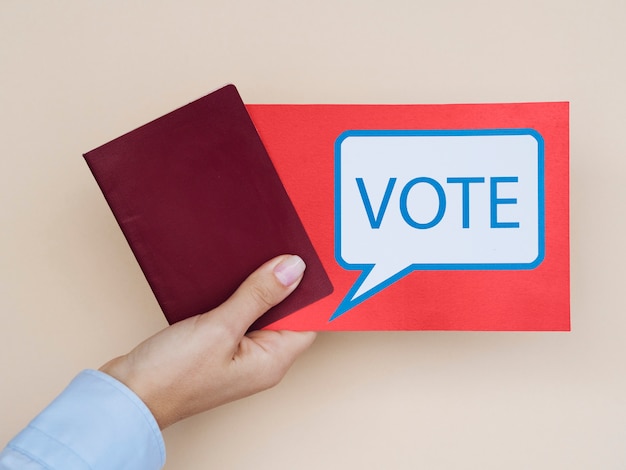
{"points": [[348, 301]]}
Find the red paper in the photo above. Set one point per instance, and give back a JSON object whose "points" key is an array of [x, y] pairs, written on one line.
{"points": [[301, 140]]}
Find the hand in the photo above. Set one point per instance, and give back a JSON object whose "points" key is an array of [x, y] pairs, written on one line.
{"points": [[208, 360]]}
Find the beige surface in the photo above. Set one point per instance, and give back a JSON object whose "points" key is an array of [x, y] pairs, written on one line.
{"points": [[75, 74]]}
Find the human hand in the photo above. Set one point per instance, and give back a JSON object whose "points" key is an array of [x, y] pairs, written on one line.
{"points": [[208, 360]]}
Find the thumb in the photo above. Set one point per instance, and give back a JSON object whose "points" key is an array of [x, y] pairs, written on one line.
{"points": [[267, 286]]}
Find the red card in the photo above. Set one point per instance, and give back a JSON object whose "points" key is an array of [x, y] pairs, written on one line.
{"points": [[429, 217]]}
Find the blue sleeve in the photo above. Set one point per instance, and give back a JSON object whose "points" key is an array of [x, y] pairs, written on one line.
{"points": [[97, 423]]}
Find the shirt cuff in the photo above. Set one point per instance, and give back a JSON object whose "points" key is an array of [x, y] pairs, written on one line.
{"points": [[96, 423]]}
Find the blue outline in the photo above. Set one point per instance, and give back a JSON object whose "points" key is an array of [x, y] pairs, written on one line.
{"points": [[348, 302]]}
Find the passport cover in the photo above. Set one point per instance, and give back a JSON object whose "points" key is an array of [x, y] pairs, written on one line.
{"points": [[301, 140], [201, 206]]}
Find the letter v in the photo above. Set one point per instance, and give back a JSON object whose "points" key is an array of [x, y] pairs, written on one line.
{"points": [[375, 221]]}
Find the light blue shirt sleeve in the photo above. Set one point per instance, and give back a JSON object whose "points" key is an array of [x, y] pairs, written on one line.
{"points": [[96, 423]]}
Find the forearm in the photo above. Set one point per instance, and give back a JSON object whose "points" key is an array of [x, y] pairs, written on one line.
{"points": [[95, 423]]}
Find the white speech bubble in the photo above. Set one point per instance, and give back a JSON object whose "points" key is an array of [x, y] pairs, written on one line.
{"points": [[436, 200]]}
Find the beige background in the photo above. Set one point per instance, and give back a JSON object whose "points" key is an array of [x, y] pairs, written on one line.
{"points": [[75, 74]]}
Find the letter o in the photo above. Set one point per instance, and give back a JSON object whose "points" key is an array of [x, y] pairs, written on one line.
{"points": [[405, 194]]}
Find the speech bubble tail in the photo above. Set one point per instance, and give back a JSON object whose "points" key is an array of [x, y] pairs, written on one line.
{"points": [[337, 313], [346, 304], [372, 280]]}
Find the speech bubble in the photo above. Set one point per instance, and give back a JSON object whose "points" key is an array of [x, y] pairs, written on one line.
{"points": [[436, 200]]}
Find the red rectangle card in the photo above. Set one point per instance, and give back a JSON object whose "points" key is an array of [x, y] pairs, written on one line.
{"points": [[429, 217], [202, 206]]}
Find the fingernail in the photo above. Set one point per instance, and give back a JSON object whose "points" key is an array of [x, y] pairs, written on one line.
{"points": [[289, 270]]}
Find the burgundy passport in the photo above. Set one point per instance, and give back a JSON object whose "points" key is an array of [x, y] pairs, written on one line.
{"points": [[201, 205]]}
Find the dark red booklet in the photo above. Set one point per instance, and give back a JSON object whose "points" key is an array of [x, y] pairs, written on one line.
{"points": [[201, 205]]}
